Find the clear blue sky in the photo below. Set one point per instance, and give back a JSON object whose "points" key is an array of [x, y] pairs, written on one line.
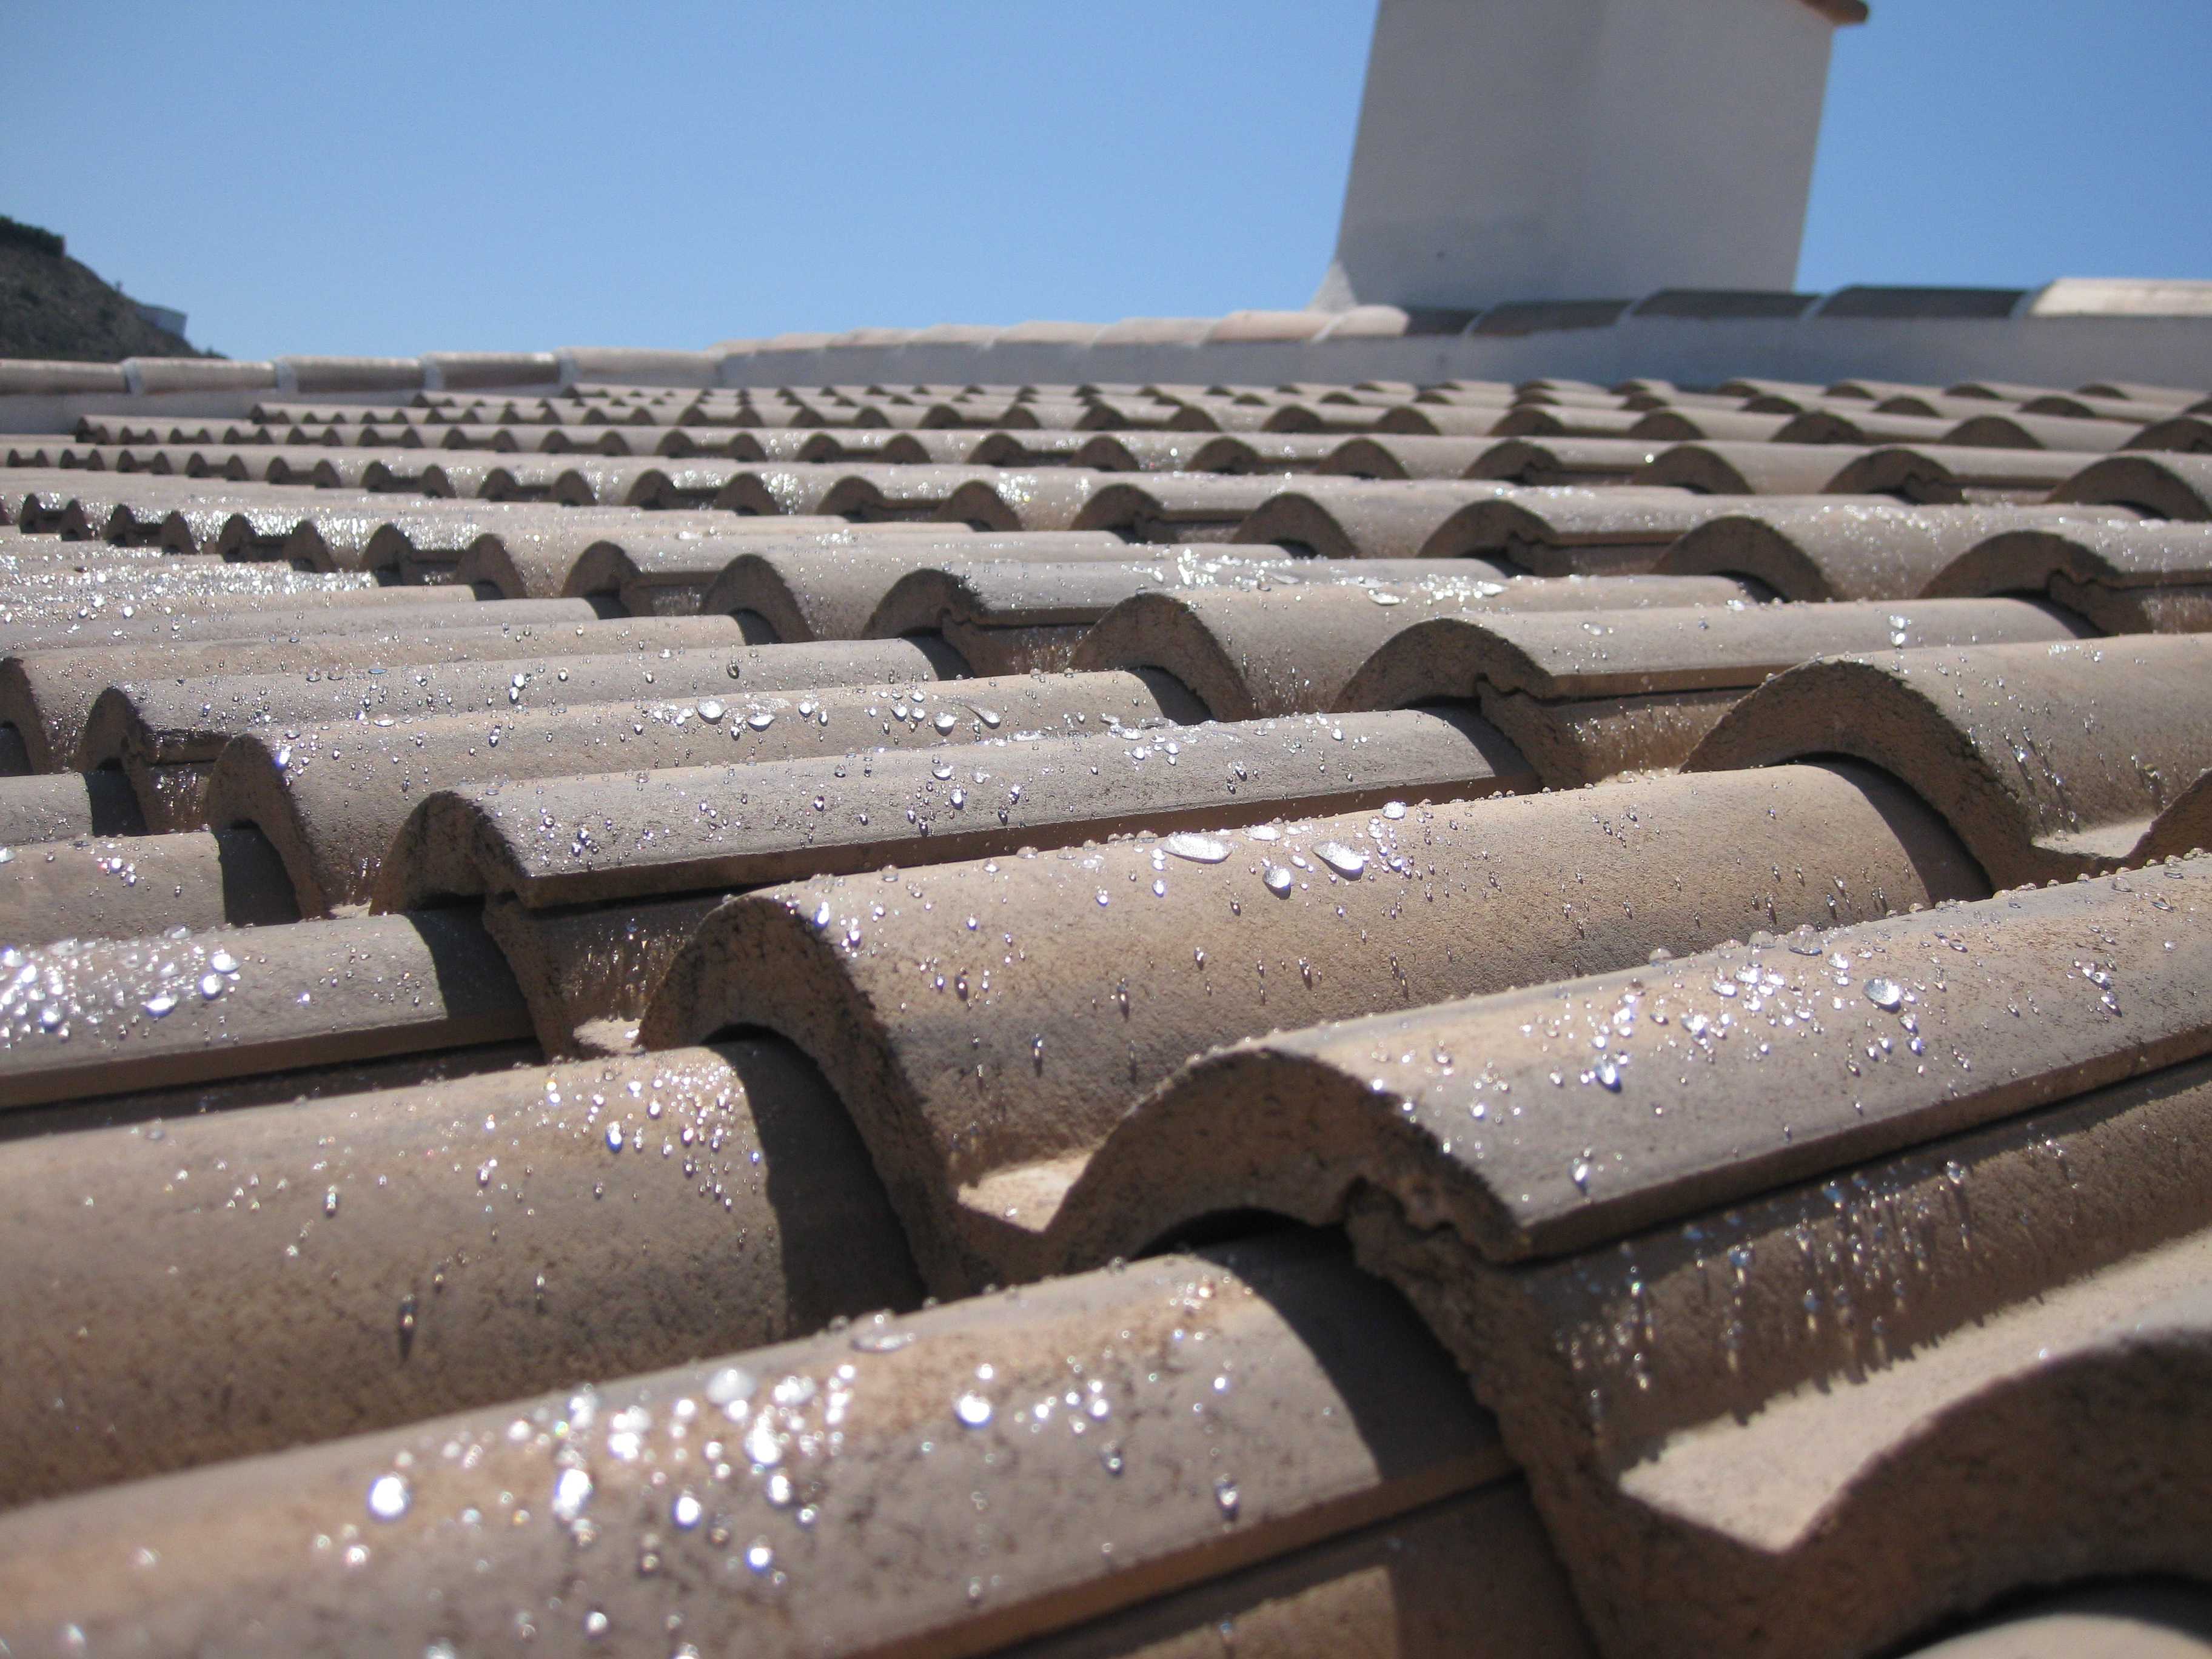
{"points": [[400, 178]]}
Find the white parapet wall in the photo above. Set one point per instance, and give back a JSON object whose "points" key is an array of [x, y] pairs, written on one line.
{"points": [[2064, 335]]}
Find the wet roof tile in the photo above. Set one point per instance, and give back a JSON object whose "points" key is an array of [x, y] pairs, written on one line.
{"points": [[2050, 760], [1136, 820]]}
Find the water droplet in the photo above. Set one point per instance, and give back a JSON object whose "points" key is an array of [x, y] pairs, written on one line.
{"points": [[946, 720], [572, 1491], [760, 720], [711, 712], [330, 1201], [1276, 876], [761, 1444], [223, 963], [882, 1341], [732, 1382], [389, 1497], [1579, 1173], [1884, 993], [1393, 808], [759, 1556], [1225, 1497], [212, 986], [614, 1137], [1199, 849], [1110, 1457], [1348, 862], [686, 1511], [160, 1004], [973, 1410]]}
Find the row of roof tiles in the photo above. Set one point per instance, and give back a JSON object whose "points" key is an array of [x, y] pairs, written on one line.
{"points": [[1211, 872], [689, 472], [530, 522]]}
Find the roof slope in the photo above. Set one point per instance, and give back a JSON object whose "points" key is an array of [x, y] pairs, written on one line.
{"points": [[1094, 1019]]}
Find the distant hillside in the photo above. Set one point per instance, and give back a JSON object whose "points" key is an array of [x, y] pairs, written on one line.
{"points": [[51, 306]]}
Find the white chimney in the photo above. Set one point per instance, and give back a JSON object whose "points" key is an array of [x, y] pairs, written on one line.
{"points": [[1562, 150]]}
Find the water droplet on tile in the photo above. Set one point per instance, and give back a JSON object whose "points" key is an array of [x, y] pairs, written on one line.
{"points": [[1199, 849], [389, 1496], [730, 1382], [1348, 862]]}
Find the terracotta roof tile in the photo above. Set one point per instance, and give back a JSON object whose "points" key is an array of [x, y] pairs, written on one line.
{"points": [[166, 734], [825, 588], [314, 791], [2166, 486], [2040, 432], [1847, 423], [824, 1246], [1993, 736], [980, 1106], [37, 810], [1444, 420], [2154, 397], [1641, 1402], [47, 694], [377, 985], [1571, 421], [139, 886], [2127, 578], [1391, 455], [1731, 425], [2189, 433], [1817, 551], [687, 831], [1083, 817], [1349, 1415]]}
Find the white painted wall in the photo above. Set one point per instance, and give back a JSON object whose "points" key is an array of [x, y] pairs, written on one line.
{"points": [[1537, 150]]}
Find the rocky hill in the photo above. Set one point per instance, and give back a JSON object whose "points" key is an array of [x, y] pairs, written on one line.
{"points": [[54, 307]]}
